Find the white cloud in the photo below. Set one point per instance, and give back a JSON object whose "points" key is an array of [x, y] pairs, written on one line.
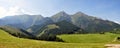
{"points": [[117, 22], [12, 11], [2, 12]]}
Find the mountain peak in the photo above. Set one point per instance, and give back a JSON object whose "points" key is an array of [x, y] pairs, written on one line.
{"points": [[63, 13], [61, 16], [80, 13]]}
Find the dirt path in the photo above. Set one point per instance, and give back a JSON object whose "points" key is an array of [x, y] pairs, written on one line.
{"points": [[112, 45]]}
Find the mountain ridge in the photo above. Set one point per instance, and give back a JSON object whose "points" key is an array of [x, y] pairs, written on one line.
{"points": [[79, 19], [79, 22]]}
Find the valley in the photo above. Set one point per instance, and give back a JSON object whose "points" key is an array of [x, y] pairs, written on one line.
{"points": [[72, 41], [59, 31], [59, 23], [9, 41]]}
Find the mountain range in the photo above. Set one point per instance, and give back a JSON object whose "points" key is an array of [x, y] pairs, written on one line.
{"points": [[60, 23]]}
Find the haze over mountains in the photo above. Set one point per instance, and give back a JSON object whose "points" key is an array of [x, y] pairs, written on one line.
{"points": [[60, 23], [30, 20]]}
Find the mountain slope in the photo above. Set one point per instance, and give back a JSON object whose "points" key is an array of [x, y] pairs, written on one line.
{"points": [[57, 28], [17, 32], [86, 22], [34, 28], [90, 38], [61, 16], [21, 21], [8, 41], [34, 23], [93, 24]]}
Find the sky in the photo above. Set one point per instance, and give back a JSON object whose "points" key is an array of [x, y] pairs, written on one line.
{"points": [[105, 9]]}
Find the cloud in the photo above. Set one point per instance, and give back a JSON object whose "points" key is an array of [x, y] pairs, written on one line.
{"points": [[15, 11], [12, 11], [117, 22], [2, 12]]}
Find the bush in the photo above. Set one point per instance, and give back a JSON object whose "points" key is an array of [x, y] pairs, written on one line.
{"points": [[49, 37]]}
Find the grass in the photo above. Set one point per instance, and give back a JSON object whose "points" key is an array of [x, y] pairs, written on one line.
{"points": [[8, 41], [89, 38]]}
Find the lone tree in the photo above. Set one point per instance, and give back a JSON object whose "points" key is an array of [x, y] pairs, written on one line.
{"points": [[118, 38]]}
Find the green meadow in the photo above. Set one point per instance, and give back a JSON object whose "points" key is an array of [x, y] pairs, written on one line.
{"points": [[90, 38], [71, 41]]}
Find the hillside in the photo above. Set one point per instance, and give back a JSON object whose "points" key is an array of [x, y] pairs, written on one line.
{"points": [[88, 23], [61, 16], [90, 38], [35, 27], [46, 28], [57, 28], [21, 21], [68, 28], [17, 32], [93, 24], [34, 23], [8, 41]]}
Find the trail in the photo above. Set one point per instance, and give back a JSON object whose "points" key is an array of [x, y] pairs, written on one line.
{"points": [[112, 45]]}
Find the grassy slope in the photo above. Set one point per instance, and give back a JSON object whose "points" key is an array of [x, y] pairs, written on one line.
{"points": [[8, 41], [90, 38]]}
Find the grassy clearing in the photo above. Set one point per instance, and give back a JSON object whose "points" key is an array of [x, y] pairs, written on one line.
{"points": [[89, 38], [8, 41]]}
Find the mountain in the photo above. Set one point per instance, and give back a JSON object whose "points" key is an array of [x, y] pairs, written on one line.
{"points": [[46, 21], [61, 16], [35, 24], [93, 24], [86, 22], [21, 21], [17, 32], [60, 28], [51, 30], [46, 28]]}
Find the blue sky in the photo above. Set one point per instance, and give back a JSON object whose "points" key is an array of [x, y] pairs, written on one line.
{"points": [[105, 9]]}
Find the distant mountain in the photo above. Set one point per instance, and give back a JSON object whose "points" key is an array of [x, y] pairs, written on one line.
{"points": [[35, 23], [93, 24], [62, 27], [21, 21], [46, 28], [57, 28], [34, 29], [61, 16], [86, 22], [17, 32]]}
